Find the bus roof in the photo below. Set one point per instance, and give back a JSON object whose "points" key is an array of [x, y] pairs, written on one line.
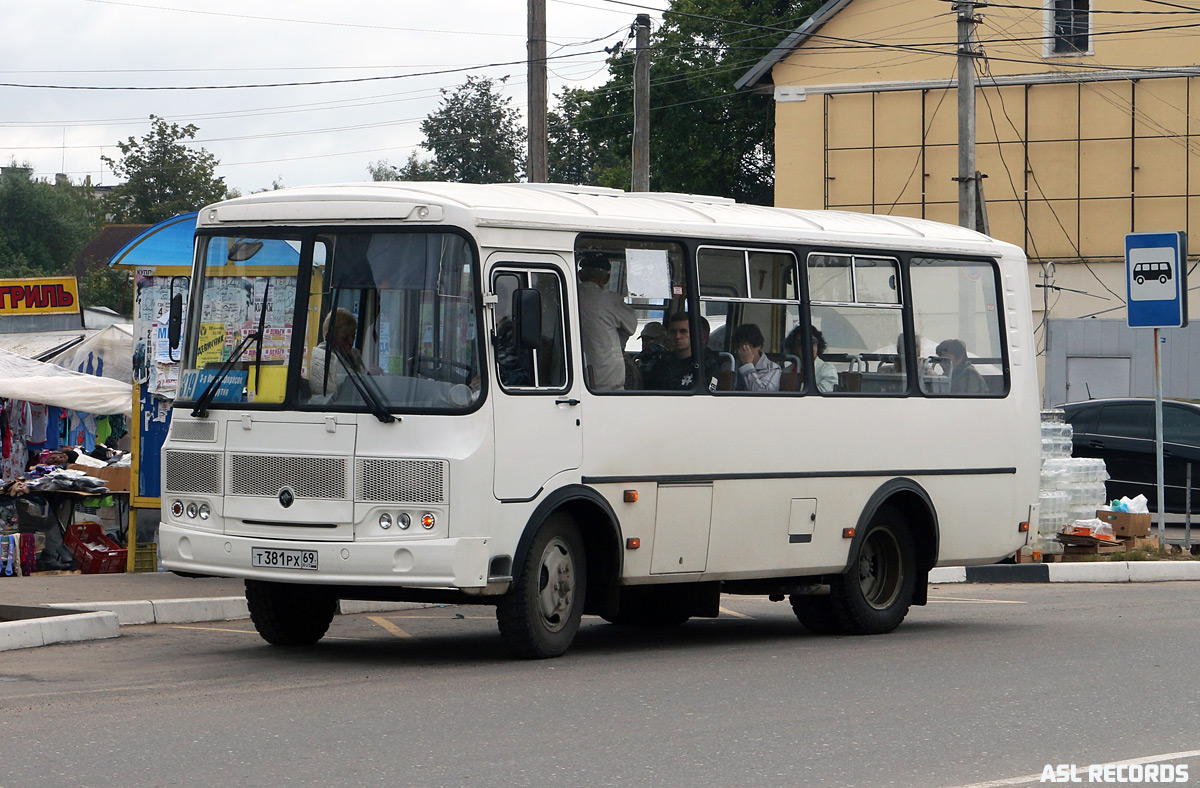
{"points": [[585, 208]]}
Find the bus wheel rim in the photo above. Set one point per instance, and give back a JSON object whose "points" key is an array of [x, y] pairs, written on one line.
{"points": [[556, 585], [880, 573]]}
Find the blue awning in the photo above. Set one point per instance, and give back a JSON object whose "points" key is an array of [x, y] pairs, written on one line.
{"points": [[167, 243]]}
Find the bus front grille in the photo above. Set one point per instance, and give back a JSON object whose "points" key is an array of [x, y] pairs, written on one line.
{"points": [[200, 431], [402, 481], [306, 477], [193, 472]]}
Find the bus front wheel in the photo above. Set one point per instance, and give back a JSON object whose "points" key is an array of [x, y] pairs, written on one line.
{"points": [[815, 613], [540, 614], [289, 615], [873, 597]]}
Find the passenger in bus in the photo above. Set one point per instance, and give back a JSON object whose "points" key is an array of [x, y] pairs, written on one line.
{"points": [[654, 349], [825, 373], [340, 328], [675, 371], [605, 323], [757, 372], [964, 378]]}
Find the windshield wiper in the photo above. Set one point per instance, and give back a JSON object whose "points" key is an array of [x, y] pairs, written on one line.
{"points": [[210, 391], [364, 385]]}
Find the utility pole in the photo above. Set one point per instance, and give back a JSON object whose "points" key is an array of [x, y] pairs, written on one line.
{"points": [[537, 92], [968, 177], [641, 105]]}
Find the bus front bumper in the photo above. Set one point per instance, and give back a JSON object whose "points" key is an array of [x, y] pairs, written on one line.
{"points": [[419, 563]]}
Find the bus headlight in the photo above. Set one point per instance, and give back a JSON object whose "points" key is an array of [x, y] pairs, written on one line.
{"points": [[192, 511], [405, 521], [204, 511], [385, 521]]}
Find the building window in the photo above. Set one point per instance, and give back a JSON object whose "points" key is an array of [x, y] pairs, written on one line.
{"points": [[1070, 27]]}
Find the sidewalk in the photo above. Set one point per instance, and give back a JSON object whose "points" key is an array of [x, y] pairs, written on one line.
{"points": [[88, 607]]}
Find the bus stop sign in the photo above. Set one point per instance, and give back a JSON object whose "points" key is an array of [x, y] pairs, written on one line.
{"points": [[1156, 279]]}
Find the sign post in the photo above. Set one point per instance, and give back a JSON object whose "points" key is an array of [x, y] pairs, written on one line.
{"points": [[1156, 285]]}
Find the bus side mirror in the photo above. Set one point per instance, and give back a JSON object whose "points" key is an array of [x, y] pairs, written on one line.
{"points": [[175, 322], [527, 318]]}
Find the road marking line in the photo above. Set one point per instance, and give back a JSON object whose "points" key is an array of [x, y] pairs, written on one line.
{"points": [[733, 613], [389, 626], [1036, 778]]}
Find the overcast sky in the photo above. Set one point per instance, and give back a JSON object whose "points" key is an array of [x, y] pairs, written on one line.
{"points": [[296, 135]]}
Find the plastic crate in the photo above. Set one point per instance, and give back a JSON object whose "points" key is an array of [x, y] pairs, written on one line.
{"points": [[95, 553], [145, 557]]}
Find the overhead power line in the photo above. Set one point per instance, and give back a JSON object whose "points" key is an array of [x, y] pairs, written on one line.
{"points": [[347, 81]]}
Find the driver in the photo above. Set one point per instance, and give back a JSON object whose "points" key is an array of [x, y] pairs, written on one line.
{"points": [[339, 329]]}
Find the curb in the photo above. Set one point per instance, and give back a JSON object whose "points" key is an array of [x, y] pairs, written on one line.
{"points": [[74, 622], [29, 627], [1083, 572]]}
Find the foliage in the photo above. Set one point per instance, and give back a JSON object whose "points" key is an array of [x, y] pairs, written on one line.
{"points": [[110, 287], [163, 176], [572, 155], [705, 137], [475, 136], [415, 169], [43, 225]]}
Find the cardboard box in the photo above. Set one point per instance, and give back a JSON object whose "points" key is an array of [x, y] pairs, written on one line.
{"points": [[116, 479], [1124, 523]]}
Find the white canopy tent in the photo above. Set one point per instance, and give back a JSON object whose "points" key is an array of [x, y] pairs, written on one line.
{"points": [[47, 384]]}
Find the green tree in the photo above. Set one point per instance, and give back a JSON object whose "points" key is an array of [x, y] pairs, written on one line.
{"points": [[163, 176], [572, 156], [110, 287], [43, 225], [705, 137], [475, 135], [415, 169]]}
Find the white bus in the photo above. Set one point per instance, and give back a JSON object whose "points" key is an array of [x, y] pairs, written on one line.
{"points": [[383, 396]]}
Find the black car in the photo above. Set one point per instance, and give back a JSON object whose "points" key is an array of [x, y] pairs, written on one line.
{"points": [[1121, 432]]}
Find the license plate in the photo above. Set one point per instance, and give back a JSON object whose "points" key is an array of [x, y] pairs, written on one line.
{"points": [[283, 559]]}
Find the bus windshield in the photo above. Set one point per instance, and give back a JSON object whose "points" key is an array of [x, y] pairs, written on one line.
{"points": [[389, 323]]}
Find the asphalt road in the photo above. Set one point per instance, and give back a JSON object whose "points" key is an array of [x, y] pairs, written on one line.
{"points": [[985, 686]]}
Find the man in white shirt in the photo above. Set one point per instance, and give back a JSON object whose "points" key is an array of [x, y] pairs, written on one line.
{"points": [[605, 322]]}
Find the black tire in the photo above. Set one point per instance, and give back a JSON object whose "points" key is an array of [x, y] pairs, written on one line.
{"points": [[289, 615], [815, 613], [874, 596], [540, 614]]}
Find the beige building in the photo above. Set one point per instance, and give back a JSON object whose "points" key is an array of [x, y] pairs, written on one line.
{"points": [[1087, 124]]}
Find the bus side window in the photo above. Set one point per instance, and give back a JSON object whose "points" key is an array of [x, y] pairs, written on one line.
{"points": [[956, 309], [542, 367]]}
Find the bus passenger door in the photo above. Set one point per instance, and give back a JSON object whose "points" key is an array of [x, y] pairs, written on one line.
{"points": [[537, 421]]}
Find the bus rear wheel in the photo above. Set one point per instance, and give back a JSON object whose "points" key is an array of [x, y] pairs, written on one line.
{"points": [[289, 615], [540, 614], [874, 596]]}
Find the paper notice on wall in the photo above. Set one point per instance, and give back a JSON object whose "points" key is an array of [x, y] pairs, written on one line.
{"points": [[648, 273], [211, 349]]}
